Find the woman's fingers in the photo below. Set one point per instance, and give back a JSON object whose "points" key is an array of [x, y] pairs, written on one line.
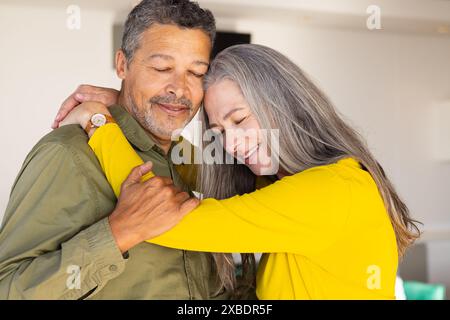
{"points": [[71, 102], [85, 93], [68, 104]]}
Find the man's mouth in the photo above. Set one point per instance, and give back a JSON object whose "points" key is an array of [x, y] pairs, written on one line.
{"points": [[173, 109]]}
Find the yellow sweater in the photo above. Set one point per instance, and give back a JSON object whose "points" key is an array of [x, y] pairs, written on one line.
{"points": [[324, 232]]}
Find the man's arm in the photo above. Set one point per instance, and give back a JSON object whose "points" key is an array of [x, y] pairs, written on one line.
{"points": [[51, 244]]}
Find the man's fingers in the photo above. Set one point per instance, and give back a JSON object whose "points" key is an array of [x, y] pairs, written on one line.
{"points": [[188, 206], [145, 168], [158, 181], [182, 196], [137, 173]]}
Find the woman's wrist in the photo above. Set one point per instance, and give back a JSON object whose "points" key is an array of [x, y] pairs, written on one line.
{"points": [[89, 109], [91, 132], [83, 113]]}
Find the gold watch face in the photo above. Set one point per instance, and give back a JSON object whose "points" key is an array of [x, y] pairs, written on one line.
{"points": [[98, 119]]}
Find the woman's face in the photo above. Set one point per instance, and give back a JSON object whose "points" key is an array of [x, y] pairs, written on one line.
{"points": [[229, 114]]}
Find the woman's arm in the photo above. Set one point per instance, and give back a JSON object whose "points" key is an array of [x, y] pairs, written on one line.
{"points": [[115, 154], [85, 93], [303, 213]]}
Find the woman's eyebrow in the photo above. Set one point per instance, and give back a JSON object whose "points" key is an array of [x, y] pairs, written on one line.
{"points": [[231, 112]]}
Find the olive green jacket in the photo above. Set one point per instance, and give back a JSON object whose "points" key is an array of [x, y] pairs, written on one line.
{"points": [[55, 239]]}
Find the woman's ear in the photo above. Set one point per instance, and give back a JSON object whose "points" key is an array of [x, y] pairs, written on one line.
{"points": [[121, 64]]}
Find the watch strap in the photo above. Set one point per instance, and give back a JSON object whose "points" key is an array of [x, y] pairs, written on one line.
{"points": [[90, 125]]}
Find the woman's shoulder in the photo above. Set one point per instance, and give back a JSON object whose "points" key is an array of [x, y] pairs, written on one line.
{"points": [[347, 168], [342, 175]]}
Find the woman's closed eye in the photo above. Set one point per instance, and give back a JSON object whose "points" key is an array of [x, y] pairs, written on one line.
{"points": [[241, 120]]}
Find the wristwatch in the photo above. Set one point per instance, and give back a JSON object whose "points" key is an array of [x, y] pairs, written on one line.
{"points": [[97, 120]]}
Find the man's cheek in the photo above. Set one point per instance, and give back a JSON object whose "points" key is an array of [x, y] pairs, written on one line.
{"points": [[197, 100]]}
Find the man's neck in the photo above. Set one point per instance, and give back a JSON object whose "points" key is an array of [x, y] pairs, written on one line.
{"points": [[163, 144]]}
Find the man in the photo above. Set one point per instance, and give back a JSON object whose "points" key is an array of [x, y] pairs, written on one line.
{"points": [[63, 236]]}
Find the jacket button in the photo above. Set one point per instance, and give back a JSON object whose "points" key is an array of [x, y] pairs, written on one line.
{"points": [[113, 268]]}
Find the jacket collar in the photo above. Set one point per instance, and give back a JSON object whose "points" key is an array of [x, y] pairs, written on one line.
{"points": [[133, 131]]}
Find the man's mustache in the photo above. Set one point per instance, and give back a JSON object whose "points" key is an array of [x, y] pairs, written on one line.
{"points": [[171, 100]]}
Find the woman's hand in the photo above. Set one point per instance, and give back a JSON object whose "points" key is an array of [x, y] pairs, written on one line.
{"points": [[85, 93], [83, 113]]}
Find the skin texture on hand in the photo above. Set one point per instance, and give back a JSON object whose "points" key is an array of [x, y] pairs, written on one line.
{"points": [[85, 93], [83, 113], [134, 221]]}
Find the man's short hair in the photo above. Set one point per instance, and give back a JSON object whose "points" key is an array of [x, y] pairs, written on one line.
{"points": [[182, 13]]}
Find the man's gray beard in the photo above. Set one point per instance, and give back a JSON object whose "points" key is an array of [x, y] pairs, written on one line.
{"points": [[148, 121]]}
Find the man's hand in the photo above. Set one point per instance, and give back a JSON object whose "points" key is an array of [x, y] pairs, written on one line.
{"points": [[85, 93], [147, 209]]}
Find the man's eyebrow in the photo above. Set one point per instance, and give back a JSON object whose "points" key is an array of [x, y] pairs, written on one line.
{"points": [[161, 56], [199, 62], [167, 57]]}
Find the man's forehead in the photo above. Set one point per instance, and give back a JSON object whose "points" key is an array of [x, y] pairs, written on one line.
{"points": [[170, 40]]}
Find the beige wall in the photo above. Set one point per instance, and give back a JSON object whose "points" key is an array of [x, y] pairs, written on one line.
{"points": [[385, 83], [41, 62]]}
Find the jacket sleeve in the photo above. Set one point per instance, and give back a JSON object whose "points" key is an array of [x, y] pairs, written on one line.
{"points": [[51, 246]]}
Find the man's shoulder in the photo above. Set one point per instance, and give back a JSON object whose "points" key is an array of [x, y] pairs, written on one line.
{"points": [[69, 138], [66, 143], [64, 151]]}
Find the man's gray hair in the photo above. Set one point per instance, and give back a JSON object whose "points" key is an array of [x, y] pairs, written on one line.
{"points": [[182, 13]]}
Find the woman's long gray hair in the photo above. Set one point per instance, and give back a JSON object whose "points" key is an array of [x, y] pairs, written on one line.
{"points": [[311, 133]]}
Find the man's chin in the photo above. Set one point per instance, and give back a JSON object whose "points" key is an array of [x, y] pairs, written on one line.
{"points": [[165, 132]]}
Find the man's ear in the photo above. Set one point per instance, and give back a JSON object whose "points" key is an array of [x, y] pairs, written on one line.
{"points": [[121, 64]]}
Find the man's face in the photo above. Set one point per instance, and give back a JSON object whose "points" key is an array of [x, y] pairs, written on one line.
{"points": [[163, 83]]}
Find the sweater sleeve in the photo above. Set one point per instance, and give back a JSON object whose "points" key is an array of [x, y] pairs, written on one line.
{"points": [[303, 213]]}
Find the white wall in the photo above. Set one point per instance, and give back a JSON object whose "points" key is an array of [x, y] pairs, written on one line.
{"points": [[385, 83], [41, 62]]}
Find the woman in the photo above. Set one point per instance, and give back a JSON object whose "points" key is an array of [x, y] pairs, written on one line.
{"points": [[330, 227]]}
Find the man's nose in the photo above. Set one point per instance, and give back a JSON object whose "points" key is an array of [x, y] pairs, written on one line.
{"points": [[177, 86]]}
